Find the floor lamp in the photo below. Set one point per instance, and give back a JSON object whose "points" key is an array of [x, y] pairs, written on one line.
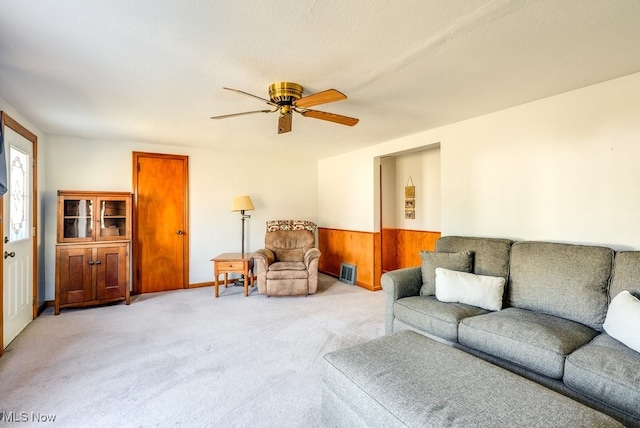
{"points": [[242, 204]]}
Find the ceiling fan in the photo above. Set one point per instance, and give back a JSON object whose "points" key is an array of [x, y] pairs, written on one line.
{"points": [[286, 97]]}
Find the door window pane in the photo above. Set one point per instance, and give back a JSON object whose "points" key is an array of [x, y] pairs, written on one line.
{"points": [[19, 195]]}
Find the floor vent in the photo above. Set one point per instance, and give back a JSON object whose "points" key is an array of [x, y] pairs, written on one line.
{"points": [[347, 273]]}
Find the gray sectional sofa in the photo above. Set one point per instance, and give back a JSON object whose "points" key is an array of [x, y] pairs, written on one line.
{"points": [[550, 326]]}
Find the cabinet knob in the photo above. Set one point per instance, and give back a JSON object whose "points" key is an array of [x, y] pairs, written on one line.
{"points": [[180, 232], [98, 262], [91, 263]]}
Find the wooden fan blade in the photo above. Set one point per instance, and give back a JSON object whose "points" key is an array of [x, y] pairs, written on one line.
{"points": [[284, 123], [251, 95], [328, 96], [224, 116], [331, 117]]}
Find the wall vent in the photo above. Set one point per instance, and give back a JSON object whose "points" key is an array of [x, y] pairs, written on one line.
{"points": [[347, 273]]}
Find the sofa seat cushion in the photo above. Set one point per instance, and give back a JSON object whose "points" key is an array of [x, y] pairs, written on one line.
{"points": [[287, 266], [606, 368], [428, 314], [535, 341]]}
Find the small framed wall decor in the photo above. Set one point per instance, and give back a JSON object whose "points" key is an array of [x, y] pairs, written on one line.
{"points": [[410, 190], [409, 200]]}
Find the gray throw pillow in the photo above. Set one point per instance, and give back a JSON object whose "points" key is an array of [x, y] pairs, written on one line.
{"points": [[461, 262]]}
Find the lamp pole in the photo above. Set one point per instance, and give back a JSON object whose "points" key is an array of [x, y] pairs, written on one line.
{"points": [[242, 204], [243, 217]]}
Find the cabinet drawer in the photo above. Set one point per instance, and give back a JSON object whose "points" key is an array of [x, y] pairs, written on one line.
{"points": [[230, 265]]}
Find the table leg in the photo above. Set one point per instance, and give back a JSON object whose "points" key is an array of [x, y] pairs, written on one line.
{"points": [[215, 282]]}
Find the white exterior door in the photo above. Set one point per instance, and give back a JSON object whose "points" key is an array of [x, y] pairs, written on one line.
{"points": [[17, 221]]}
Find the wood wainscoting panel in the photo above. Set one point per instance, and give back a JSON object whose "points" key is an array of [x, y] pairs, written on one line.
{"points": [[361, 249], [401, 247]]}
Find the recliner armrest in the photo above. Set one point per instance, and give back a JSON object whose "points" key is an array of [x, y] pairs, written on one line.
{"points": [[265, 256], [310, 255]]}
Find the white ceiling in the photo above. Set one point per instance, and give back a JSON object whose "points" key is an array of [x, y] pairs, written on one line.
{"points": [[153, 70]]}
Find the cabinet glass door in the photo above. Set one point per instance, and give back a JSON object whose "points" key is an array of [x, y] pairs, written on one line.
{"points": [[78, 219], [113, 218]]}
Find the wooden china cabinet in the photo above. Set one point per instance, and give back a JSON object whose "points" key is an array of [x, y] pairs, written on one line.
{"points": [[93, 247]]}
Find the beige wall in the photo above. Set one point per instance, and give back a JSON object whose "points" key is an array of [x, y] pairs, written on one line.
{"points": [[562, 168], [347, 187]]}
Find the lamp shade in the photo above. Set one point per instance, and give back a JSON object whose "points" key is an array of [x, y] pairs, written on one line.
{"points": [[242, 203]]}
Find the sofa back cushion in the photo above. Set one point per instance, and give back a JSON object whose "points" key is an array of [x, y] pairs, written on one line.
{"points": [[565, 280], [626, 274], [461, 262], [490, 255]]}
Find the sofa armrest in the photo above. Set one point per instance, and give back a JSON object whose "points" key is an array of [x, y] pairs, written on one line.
{"points": [[402, 282], [396, 285]]}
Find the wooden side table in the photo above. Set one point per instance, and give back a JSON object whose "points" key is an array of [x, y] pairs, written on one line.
{"points": [[227, 263]]}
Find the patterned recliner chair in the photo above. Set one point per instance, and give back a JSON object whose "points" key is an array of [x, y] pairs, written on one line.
{"points": [[288, 265]]}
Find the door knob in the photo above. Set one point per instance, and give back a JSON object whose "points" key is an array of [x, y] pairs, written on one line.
{"points": [[180, 232], [11, 254]]}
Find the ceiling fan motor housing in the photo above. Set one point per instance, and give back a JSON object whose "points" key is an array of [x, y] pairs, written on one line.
{"points": [[285, 93]]}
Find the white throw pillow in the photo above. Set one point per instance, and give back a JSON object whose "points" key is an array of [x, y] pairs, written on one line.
{"points": [[476, 290], [623, 320]]}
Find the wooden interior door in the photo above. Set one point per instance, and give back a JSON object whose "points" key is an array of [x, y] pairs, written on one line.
{"points": [[160, 222]]}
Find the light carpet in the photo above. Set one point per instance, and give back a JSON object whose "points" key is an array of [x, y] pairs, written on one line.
{"points": [[184, 358]]}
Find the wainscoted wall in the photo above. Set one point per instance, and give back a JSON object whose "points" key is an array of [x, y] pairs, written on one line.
{"points": [[372, 252], [401, 247], [361, 249]]}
